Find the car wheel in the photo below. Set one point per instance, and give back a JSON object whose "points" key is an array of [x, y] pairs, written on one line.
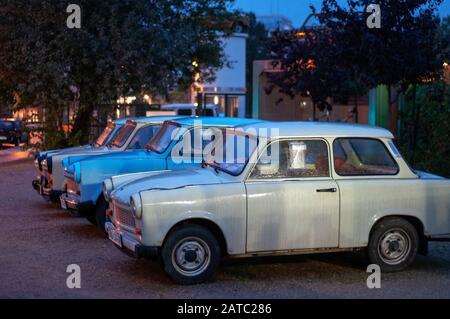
{"points": [[100, 214], [393, 244], [190, 255]]}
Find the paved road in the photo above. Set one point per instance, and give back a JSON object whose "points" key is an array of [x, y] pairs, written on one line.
{"points": [[38, 241]]}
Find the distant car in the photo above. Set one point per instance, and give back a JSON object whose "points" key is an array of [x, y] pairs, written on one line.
{"points": [[84, 178], [127, 137], [12, 132], [211, 110], [324, 188]]}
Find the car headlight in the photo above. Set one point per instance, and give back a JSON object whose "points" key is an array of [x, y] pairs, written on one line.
{"points": [[107, 188], [44, 164], [136, 205]]}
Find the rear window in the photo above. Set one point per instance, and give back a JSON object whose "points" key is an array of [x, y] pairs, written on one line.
{"points": [[360, 157]]}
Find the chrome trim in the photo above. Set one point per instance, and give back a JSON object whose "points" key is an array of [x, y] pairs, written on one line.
{"points": [[72, 201], [129, 241]]}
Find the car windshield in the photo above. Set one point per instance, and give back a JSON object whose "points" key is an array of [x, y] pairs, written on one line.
{"points": [[123, 135], [101, 140], [143, 137], [6, 124], [234, 153], [164, 137]]}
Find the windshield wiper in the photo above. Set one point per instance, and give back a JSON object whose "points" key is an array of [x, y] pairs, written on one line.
{"points": [[212, 165]]}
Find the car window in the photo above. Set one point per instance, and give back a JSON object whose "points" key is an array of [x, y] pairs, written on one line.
{"points": [[143, 136], [161, 141], [123, 135], [359, 157], [294, 159], [101, 140], [184, 112], [6, 124]]}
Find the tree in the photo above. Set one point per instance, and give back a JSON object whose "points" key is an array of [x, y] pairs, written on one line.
{"points": [[305, 58], [350, 57], [124, 47]]}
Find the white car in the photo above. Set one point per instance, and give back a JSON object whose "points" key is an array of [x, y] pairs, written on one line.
{"points": [[298, 188]]}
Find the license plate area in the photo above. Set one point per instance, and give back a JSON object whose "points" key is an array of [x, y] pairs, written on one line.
{"points": [[63, 202], [115, 237]]}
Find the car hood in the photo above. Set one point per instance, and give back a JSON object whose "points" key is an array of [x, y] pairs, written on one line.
{"points": [[119, 155], [67, 150], [167, 180]]}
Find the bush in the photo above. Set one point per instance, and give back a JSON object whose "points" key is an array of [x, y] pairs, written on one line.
{"points": [[432, 148]]}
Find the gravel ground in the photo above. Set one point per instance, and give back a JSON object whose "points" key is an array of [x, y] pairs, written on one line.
{"points": [[38, 241]]}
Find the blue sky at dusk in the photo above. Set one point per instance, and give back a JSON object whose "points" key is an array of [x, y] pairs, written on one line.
{"points": [[298, 10]]}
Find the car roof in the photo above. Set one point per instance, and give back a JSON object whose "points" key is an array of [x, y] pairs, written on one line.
{"points": [[216, 121], [317, 129], [150, 119]]}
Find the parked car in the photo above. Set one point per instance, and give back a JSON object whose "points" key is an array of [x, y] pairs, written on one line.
{"points": [[85, 177], [108, 134], [211, 110], [324, 188], [12, 132], [53, 183]]}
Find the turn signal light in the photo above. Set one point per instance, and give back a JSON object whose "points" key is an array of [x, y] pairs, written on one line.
{"points": [[137, 231], [109, 212]]}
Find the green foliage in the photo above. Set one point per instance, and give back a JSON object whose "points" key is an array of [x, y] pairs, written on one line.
{"points": [[350, 58], [432, 152], [124, 47]]}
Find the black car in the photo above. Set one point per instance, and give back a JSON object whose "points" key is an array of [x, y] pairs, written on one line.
{"points": [[12, 132]]}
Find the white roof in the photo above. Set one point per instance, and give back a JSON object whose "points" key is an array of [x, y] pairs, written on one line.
{"points": [[315, 129]]}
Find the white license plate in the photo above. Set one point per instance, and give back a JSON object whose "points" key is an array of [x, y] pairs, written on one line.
{"points": [[3, 138], [63, 202], [115, 236]]}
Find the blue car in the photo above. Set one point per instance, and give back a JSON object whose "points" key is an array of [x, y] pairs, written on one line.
{"points": [[85, 177]]}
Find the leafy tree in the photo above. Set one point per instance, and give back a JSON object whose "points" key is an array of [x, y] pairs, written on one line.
{"points": [[432, 149], [349, 57], [124, 47]]}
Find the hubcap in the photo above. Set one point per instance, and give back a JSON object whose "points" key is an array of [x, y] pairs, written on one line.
{"points": [[191, 256], [394, 246]]}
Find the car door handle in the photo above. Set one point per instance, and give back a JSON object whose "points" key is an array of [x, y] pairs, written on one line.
{"points": [[327, 190]]}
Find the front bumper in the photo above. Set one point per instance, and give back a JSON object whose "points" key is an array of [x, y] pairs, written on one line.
{"points": [[129, 244], [41, 186], [73, 204]]}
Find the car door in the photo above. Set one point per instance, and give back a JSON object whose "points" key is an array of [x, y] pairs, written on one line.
{"points": [[292, 200]]}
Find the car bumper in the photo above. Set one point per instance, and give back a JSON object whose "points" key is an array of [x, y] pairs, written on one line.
{"points": [[46, 192], [129, 244], [73, 204]]}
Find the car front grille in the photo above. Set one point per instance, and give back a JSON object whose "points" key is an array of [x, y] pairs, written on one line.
{"points": [[123, 216]]}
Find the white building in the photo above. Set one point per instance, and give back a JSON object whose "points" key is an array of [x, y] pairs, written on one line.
{"points": [[229, 89]]}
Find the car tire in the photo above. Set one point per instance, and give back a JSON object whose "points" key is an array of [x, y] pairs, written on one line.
{"points": [[190, 255], [393, 244], [100, 214]]}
